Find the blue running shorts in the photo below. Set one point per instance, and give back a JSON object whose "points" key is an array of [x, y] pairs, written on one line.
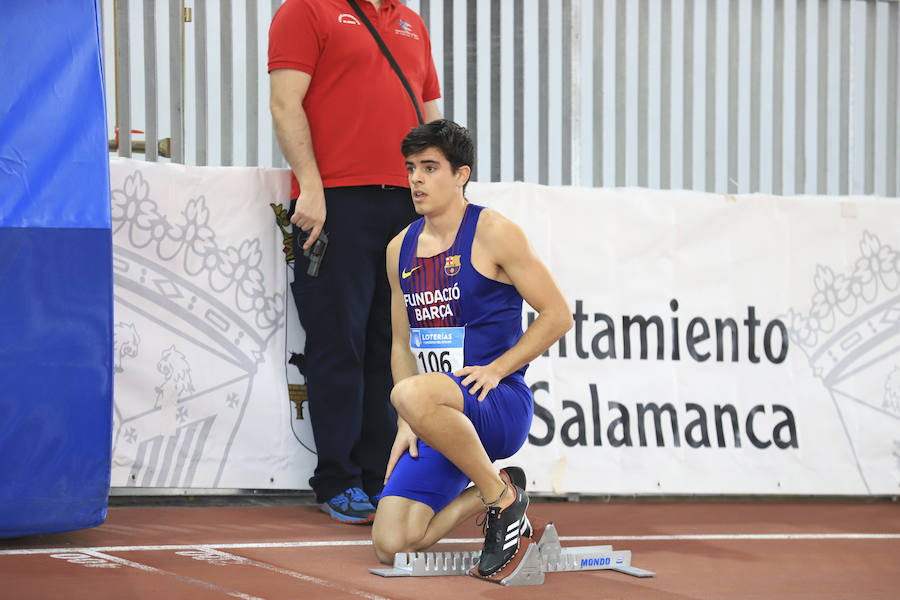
{"points": [[502, 421]]}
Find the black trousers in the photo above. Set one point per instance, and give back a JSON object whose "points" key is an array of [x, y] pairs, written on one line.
{"points": [[345, 313]]}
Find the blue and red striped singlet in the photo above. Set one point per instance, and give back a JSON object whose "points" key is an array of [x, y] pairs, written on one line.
{"points": [[445, 290]]}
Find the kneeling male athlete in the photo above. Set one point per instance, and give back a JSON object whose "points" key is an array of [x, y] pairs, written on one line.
{"points": [[458, 277]]}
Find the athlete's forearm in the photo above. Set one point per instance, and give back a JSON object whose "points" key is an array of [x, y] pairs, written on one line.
{"points": [[543, 332], [403, 363]]}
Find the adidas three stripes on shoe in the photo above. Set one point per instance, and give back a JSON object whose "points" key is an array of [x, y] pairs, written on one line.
{"points": [[503, 526]]}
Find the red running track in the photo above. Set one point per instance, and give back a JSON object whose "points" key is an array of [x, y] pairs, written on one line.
{"points": [[723, 550]]}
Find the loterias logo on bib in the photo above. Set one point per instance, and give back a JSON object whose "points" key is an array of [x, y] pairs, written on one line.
{"points": [[438, 336]]}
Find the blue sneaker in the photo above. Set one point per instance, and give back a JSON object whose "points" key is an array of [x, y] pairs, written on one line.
{"points": [[375, 500], [350, 506]]}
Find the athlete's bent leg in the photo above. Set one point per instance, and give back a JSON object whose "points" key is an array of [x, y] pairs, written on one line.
{"points": [[404, 525], [432, 404], [400, 524], [464, 507]]}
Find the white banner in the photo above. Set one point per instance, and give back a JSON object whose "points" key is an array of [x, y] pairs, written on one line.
{"points": [[201, 304], [722, 344], [736, 345]]}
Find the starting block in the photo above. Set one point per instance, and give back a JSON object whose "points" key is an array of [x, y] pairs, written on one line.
{"points": [[533, 561]]}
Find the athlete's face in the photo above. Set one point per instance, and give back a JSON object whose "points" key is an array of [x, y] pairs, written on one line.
{"points": [[432, 181]]}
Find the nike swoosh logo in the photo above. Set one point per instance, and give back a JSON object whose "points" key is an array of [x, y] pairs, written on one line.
{"points": [[408, 273]]}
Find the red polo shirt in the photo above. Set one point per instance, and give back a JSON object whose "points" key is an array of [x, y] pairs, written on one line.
{"points": [[358, 109]]}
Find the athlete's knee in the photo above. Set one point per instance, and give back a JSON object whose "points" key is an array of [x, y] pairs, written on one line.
{"points": [[386, 546], [408, 396], [391, 540]]}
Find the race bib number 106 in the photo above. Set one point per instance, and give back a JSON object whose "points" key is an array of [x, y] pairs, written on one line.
{"points": [[438, 349]]}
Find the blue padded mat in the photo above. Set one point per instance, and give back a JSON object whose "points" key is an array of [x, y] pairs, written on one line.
{"points": [[55, 270]]}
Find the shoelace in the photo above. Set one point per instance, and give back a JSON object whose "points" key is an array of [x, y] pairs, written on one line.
{"points": [[341, 502], [482, 522], [486, 521], [357, 495]]}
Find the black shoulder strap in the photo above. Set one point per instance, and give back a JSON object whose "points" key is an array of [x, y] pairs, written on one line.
{"points": [[389, 56]]}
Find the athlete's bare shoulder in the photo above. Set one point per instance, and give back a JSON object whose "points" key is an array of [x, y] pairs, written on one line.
{"points": [[498, 243], [497, 233], [393, 251], [397, 240]]}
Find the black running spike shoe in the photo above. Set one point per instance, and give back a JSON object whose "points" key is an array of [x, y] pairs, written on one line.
{"points": [[502, 530], [516, 476]]}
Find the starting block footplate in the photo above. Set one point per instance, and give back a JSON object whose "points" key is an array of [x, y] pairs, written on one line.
{"points": [[545, 556]]}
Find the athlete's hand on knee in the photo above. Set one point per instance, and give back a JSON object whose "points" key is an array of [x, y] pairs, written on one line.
{"points": [[479, 377], [405, 440]]}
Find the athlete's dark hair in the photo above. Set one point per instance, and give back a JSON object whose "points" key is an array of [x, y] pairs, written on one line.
{"points": [[445, 135]]}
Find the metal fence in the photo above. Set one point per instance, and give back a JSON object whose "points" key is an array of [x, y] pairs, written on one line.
{"points": [[731, 96]]}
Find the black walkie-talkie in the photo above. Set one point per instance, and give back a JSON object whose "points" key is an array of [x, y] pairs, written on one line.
{"points": [[314, 253]]}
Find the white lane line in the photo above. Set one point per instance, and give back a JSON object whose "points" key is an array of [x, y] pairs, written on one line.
{"points": [[564, 538], [182, 578], [235, 546], [290, 573]]}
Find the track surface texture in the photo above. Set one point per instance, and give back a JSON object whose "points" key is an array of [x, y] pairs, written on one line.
{"points": [[764, 549]]}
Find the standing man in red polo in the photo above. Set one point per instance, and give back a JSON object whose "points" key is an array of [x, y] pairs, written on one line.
{"points": [[340, 112]]}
